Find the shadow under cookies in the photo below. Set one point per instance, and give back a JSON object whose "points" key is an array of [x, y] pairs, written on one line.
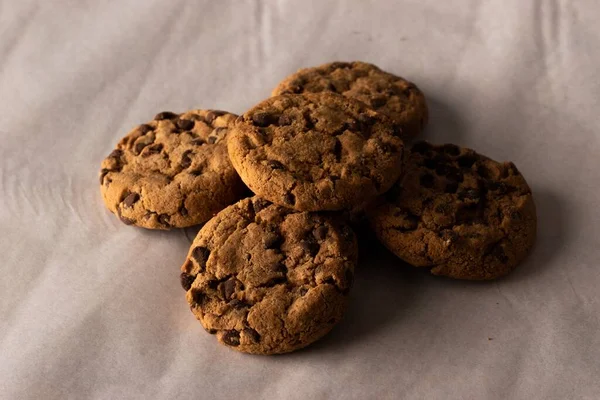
{"points": [[445, 123], [553, 233], [384, 291]]}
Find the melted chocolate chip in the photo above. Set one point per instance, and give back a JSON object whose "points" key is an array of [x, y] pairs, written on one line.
{"points": [[272, 240], [151, 150], [320, 232], [466, 161], [165, 115], [198, 296], [264, 119], [186, 161], [130, 200], [252, 335], [186, 280], [200, 255], [185, 124], [228, 288], [290, 199], [213, 114], [310, 246], [164, 219], [231, 337]]}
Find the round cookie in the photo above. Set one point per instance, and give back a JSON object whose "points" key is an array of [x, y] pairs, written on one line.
{"points": [[266, 279], [458, 213], [314, 152], [173, 171], [389, 94]]}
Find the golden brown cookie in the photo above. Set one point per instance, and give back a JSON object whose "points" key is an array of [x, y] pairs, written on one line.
{"points": [[389, 94], [173, 171], [458, 213], [266, 279], [318, 151]]}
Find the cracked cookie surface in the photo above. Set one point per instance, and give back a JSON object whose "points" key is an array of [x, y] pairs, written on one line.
{"points": [[457, 212], [389, 94], [266, 279], [314, 152], [173, 171]]}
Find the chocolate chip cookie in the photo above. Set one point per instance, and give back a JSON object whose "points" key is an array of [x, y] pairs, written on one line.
{"points": [[458, 213], [389, 94], [317, 151], [173, 171], [266, 279]]}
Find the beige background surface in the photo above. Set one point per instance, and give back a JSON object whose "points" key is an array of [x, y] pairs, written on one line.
{"points": [[90, 308]]}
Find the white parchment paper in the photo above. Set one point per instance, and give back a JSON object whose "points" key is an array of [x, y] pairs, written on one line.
{"points": [[91, 308]]}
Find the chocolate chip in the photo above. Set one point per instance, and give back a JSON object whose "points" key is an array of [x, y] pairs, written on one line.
{"points": [[284, 120], [139, 147], [337, 150], [366, 119], [228, 288], [259, 204], [320, 232], [238, 304], [515, 215], [116, 153], [126, 220], [231, 338], [451, 149], [427, 180], [186, 161], [443, 208], [213, 114], [200, 255], [394, 193], [339, 65], [252, 334], [186, 280], [272, 240], [484, 172], [211, 331], [183, 211], [274, 164], [198, 296], [151, 150], [451, 187], [196, 171], [466, 161], [377, 102], [164, 219], [310, 246], [499, 253], [289, 198], [130, 200], [197, 141], [165, 115], [353, 126], [421, 147], [103, 173], [144, 128], [264, 119], [185, 124], [216, 135], [213, 284]]}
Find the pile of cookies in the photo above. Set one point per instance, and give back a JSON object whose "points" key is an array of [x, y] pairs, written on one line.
{"points": [[279, 188]]}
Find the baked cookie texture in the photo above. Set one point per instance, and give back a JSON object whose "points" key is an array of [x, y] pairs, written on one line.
{"points": [[315, 152], [458, 213], [266, 279], [173, 171], [389, 94]]}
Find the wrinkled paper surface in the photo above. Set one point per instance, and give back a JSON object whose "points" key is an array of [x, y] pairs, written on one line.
{"points": [[91, 308]]}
